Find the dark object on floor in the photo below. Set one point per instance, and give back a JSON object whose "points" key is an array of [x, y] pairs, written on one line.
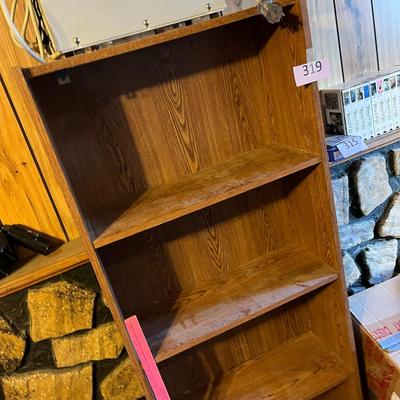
{"points": [[8, 255], [30, 239], [14, 236]]}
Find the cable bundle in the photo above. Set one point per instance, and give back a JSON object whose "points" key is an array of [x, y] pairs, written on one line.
{"points": [[43, 47]]}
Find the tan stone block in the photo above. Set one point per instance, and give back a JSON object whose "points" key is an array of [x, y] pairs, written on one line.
{"points": [[342, 199], [121, 383], [64, 384], [395, 158], [351, 271], [371, 183], [59, 309], [379, 260], [389, 224], [12, 347], [104, 342]]}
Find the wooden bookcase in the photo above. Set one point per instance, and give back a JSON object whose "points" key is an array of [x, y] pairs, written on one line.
{"points": [[196, 172]]}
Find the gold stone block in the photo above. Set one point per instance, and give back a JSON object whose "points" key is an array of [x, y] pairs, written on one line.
{"points": [[103, 342], [12, 347], [121, 383], [64, 384], [59, 309]]}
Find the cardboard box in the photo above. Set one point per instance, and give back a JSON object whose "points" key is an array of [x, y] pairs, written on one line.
{"points": [[376, 315]]}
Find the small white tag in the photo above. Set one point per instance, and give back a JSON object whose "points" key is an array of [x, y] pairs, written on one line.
{"points": [[395, 397], [351, 146], [311, 72]]}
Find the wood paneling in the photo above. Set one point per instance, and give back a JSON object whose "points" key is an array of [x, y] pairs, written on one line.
{"points": [[24, 199], [386, 13], [369, 34], [357, 37], [12, 57], [325, 39]]}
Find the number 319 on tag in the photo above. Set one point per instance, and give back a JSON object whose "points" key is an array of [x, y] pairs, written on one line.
{"points": [[311, 72]]}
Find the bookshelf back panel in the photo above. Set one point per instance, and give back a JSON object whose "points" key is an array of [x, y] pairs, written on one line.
{"points": [[158, 263], [126, 124], [191, 370]]}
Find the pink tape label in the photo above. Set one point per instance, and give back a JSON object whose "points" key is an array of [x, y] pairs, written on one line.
{"points": [[146, 358], [311, 72]]}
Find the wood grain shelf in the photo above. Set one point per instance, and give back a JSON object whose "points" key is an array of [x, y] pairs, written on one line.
{"points": [[40, 268], [373, 144], [300, 369], [209, 309], [142, 43], [202, 189], [155, 129]]}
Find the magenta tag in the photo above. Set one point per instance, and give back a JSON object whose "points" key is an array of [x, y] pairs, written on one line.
{"points": [[146, 358], [311, 72]]}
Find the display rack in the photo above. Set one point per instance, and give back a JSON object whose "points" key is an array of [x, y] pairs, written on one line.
{"points": [[373, 144], [195, 170]]}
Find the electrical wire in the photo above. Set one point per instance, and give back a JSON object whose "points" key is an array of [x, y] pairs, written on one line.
{"points": [[44, 28], [16, 34], [35, 25], [26, 20], [12, 13]]}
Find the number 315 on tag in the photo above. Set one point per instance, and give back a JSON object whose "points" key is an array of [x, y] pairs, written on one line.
{"points": [[311, 72]]}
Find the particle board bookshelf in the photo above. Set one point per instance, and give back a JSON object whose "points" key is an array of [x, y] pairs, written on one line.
{"points": [[197, 175]]}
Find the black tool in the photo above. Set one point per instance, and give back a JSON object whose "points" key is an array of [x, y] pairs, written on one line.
{"points": [[28, 238], [8, 256]]}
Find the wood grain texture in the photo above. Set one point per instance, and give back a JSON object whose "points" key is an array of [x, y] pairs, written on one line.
{"points": [[207, 362], [24, 199], [202, 189], [128, 124], [196, 248], [40, 268], [329, 305], [11, 57], [357, 37], [296, 114], [387, 31], [70, 201], [213, 307], [325, 40], [237, 14], [290, 372], [144, 129]]}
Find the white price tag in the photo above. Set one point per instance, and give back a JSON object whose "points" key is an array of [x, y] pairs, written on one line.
{"points": [[311, 72], [351, 146]]}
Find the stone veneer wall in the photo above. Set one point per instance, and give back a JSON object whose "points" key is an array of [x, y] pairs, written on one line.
{"points": [[367, 200], [59, 341]]}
